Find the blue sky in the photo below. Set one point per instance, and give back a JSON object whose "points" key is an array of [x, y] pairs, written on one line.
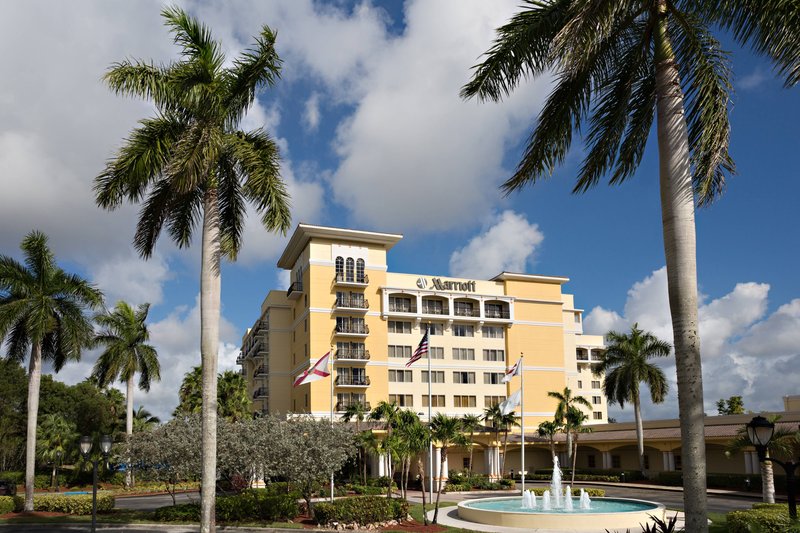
{"points": [[374, 136]]}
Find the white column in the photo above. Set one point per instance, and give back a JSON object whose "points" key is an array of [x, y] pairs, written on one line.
{"points": [[385, 302], [493, 454], [419, 303], [672, 461], [665, 458], [378, 463], [606, 460]]}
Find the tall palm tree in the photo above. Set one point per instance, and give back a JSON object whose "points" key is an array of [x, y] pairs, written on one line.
{"points": [[626, 364], [446, 431], [548, 429], [493, 416], [124, 337], [144, 420], [407, 421], [358, 411], [56, 439], [565, 402], [233, 400], [386, 412], [574, 419], [418, 437], [470, 423], [507, 422], [617, 65], [190, 393], [191, 162], [42, 310]]}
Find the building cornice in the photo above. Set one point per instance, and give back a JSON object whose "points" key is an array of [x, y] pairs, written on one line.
{"points": [[513, 276], [305, 232]]}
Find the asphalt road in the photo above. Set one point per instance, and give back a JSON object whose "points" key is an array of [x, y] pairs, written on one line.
{"points": [[147, 503]]}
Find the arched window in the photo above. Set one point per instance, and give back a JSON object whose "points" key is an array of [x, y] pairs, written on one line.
{"points": [[360, 271], [340, 267], [349, 272]]}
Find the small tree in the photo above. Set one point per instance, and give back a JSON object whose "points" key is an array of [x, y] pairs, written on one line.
{"points": [[573, 425], [549, 429], [447, 432], [470, 423], [732, 406]]}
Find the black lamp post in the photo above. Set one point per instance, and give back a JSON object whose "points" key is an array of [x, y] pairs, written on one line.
{"points": [[760, 431], [86, 450], [58, 464]]}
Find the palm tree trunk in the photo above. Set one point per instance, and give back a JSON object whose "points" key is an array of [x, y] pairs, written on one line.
{"points": [[439, 484], [677, 213], [505, 446], [210, 288], [129, 429], [471, 449], [767, 481], [637, 415], [421, 468], [34, 381], [574, 460]]}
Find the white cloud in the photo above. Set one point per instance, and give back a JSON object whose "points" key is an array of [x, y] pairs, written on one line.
{"points": [[311, 115], [745, 351], [751, 81], [508, 244], [131, 278]]}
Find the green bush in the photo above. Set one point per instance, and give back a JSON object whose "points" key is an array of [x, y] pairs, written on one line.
{"points": [[506, 483], [593, 493], [764, 520], [256, 504], [14, 476], [183, 512], [578, 477], [383, 481], [6, 504], [716, 481], [362, 510], [78, 504], [368, 490]]}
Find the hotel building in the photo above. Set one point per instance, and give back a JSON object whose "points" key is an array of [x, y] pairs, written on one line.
{"points": [[342, 295]]}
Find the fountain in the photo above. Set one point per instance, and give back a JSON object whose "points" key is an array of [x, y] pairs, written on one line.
{"points": [[560, 510]]}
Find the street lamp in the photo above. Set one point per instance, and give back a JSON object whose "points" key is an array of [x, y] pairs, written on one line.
{"points": [[58, 464], [86, 450], [760, 431]]}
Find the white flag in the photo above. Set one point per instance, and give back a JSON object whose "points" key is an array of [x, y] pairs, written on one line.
{"points": [[508, 405], [515, 370]]}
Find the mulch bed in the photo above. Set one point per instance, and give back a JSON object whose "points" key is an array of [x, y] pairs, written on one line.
{"points": [[32, 514]]}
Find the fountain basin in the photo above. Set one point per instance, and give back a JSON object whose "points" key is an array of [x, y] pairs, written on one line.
{"points": [[606, 513]]}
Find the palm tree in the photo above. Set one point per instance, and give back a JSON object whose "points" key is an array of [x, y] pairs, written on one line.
{"points": [[124, 336], [386, 412], [447, 432], [548, 429], [191, 162], [507, 422], [190, 394], [493, 416], [470, 423], [784, 441], [233, 400], [144, 420], [573, 425], [625, 363], [616, 66], [56, 440], [565, 402], [418, 437], [358, 411], [42, 309], [407, 421]]}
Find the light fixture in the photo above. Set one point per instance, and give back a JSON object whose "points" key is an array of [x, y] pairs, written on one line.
{"points": [[760, 431], [86, 446], [105, 444]]}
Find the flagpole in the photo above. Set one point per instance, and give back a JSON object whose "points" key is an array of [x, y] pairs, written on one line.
{"points": [[522, 415], [332, 359], [430, 415]]}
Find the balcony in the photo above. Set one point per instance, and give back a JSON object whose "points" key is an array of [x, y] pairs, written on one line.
{"points": [[434, 310], [239, 359], [494, 313], [260, 371], [260, 392], [345, 380], [358, 304], [355, 330], [402, 309], [346, 354], [295, 290], [351, 281], [468, 312], [343, 406], [582, 357]]}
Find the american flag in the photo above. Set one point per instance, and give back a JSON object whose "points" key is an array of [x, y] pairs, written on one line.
{"points": [[421, 350]]}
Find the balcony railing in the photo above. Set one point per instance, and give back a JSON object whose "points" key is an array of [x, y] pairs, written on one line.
{"points": [[582, 357], [343, 406], [352, 303], [467, 312], [402, 309], [354, 280], [434, 310], [347, 353], [344, 380], [239, 359], [295, 290], [355, 329], [493, 313], [260, 392], [597, 357], [260, 371]]}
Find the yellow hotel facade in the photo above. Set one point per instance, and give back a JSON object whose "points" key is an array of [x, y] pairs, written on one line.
{"points": [[342, 295]]}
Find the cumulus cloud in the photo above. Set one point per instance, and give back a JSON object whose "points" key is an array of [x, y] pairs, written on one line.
{"points": [[752, 81], [745, 350], [507, 244], [131, 278], [311, 115]]}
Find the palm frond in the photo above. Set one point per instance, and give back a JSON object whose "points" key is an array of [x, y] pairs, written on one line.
{"points": [[143, 80], [194, 38], [256, 67], [230, 199]]}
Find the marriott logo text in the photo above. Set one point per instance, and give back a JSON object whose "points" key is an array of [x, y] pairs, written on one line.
{"points": [[466, 286]]}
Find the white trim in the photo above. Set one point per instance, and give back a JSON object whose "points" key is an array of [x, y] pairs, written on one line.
{"points": [[535, 301], [530, 323], [322, 262]]}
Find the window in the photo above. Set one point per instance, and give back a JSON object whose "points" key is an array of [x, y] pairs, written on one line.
{"points": [[402, 400], [494, 311], [433, 327], [595, 384], [349, 272], [400, 376], [437, 400], [397, 326], [646, 461], [678, 464], [465, 463], [305, 325], [597, 415], [360, 271], [346, 324], [438, 376], [399, 305], [463, 308], [580, 384], [464, 401], [437, 352], [400, 351], [464, 377], [340, 267], [491, 401], [616, 461], [577, 318], [592, 462], [494, 355], [596, 400], [350, 349], [463, 330], [493, 378], [464, 354], [493, 332], [433, 307]]}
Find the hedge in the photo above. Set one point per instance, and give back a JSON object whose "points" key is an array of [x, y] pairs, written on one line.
{"points": [[6, 504], [718, 481], [78, 504], [362, 510], [630, 475], [368, 490], [250, 505], [593, 493], [182, 512], [578, 477], [764, 519]]}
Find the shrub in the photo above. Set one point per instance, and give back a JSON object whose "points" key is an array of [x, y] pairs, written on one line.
{"points": [[362, 510], [13, 476], [6, 504], [257, 504], [593, 493], [79, 504], [183, 512], [383, 481], [578, 477], [716, 481], [506, 483], [764, 520], [367, 490]]}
